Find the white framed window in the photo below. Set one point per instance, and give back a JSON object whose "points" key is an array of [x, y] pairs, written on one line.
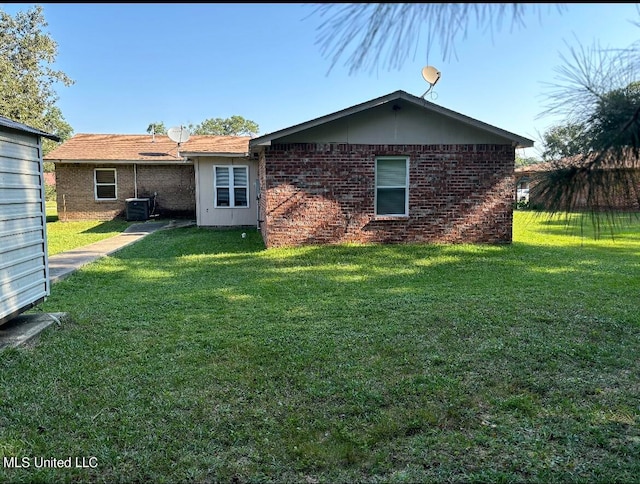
{"points": [[392, 186], [105, 184], [231, 186]]}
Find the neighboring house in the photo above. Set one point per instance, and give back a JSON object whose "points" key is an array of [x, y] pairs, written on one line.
{"points": [[393, 169], [24, 270], [97, 173], [50, 179], [622, 192]]}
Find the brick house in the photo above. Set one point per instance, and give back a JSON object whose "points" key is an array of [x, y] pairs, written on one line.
{"points": [[394, 169], [619, 191], [97, 173]]}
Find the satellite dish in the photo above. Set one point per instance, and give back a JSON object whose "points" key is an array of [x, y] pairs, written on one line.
{"points": [[430, 74], [179, 134]]}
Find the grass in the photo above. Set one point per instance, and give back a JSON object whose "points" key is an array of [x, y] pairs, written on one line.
{"points": [[196, 355], [64, 236]]}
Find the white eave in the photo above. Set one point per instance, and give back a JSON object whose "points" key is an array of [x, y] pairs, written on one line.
{"points": [[266, 140], [197, 154], [16, 126], [176, 161]]}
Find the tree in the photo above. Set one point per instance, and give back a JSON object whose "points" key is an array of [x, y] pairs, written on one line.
{"points": [[526, 161], [157, 128], [596, 89], [563, 141], [609, 124], [233, 126], [27, 80], [386, 34]]}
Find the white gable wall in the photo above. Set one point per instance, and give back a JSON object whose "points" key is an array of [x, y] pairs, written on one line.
{"points": [[407, 125], [24, 274]]}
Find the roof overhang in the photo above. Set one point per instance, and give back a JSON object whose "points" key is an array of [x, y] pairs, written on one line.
{"points": [[20, 127], [266, 140], [200, 154], [123, 162]]}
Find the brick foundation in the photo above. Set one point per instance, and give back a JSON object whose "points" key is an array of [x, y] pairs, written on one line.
{"points": [[324, 193]]}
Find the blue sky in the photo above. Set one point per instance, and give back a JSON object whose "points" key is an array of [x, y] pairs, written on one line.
{"points": [[182, 63]]}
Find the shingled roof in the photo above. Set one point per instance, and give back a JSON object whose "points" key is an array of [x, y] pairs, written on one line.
{"points": [[590, 161], [145, 148]]}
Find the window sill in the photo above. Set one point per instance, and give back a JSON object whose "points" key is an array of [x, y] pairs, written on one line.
{"points": [[382, 218]]}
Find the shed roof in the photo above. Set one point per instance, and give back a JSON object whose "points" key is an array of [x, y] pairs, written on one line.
{"points": [[16, 126], [267, 139], [144, 148]]}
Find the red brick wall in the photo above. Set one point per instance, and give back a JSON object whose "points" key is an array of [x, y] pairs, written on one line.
{"points": [[324, 193], [262, 203], [175, 185]]}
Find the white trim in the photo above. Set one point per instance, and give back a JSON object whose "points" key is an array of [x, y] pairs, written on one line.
{"points": [[231, 187], [196, 172], [122, 162], [95, 184], [196, 154], [43, 215], [405, 187]]}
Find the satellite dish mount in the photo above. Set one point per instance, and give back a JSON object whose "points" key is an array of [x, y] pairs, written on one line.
{"points": [[179, 134], [431, 75]]}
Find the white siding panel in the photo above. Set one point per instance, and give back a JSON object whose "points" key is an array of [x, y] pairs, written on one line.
{"points": [[20, 195], [17, 255], [10, 211], [23, 239], [15, 165], [19, 180], [17, 226], [20, 152], [24, 274], [210, 216], [25, 293], [18, 270], [19, 138]]}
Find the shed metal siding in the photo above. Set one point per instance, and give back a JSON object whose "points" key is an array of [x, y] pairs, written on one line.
{"points": [[24, 271]]}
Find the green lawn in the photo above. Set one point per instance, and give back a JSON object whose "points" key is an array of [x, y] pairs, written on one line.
{"points": [[196, 355], [63, 236]]}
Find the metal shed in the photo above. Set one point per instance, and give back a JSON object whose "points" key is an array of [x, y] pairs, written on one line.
{"points": [[24, 270]]}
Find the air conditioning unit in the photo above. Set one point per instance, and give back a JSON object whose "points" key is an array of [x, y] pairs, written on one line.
{"points": [[137, 209]]}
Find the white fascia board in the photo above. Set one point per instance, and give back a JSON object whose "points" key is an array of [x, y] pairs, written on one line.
{"points": [[123, 162], [196, 154]]}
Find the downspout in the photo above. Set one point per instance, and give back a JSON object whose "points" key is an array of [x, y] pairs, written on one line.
{"points": [[135, 180], [196, 174], [257, 187]]}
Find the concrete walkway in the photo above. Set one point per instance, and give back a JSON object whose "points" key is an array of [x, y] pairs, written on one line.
{"points": [[63, 264], [26, 327]]}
